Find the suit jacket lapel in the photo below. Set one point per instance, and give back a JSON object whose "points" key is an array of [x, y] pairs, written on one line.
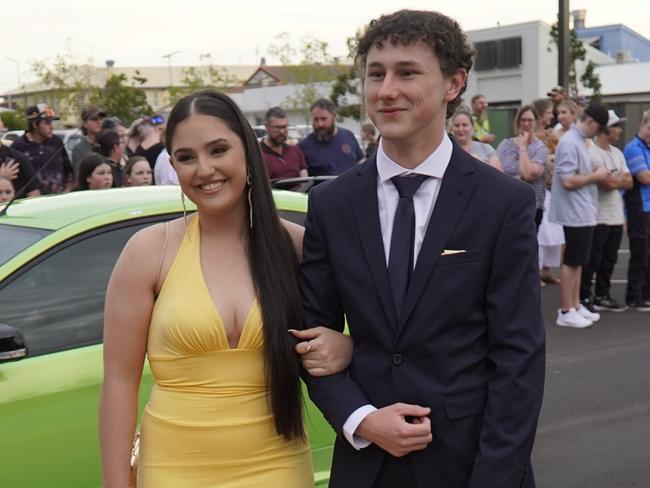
{"points": [[363, 199], [455, 191]]}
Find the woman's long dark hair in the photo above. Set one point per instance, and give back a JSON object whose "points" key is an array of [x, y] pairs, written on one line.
{"points": [[273, 263], [105, 141]]}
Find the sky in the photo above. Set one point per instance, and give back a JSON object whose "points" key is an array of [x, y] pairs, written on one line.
{"points": [[140, 32]]}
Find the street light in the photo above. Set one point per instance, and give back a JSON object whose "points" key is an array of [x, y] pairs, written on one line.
{"points": [[169, 58], [20, 83]]}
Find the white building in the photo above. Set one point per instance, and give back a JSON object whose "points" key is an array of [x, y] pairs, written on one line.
{"points": [[518, 63]]}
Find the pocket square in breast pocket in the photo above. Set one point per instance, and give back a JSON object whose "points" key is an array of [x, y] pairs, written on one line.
{"points": [[448, 252]]}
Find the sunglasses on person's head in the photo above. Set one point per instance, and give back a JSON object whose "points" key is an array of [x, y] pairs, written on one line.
{"points": [[157, 119]]}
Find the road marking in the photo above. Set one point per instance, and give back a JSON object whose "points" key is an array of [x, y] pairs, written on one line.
{"points": [[597, 418]]}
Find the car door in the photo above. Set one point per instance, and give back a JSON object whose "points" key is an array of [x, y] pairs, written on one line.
{"points": [[49, 399]]}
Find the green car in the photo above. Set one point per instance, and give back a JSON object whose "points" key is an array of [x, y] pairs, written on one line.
{"points": [[56, 255]]}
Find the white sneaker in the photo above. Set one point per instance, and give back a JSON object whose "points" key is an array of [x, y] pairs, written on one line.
{"points": [[584, 311], [572, 319]]}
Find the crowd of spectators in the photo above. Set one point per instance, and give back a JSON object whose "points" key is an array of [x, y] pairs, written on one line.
{"points": [[587, 190], [107, 156]]}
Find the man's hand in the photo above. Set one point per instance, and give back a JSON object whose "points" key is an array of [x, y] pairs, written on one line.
{"points": [[398, 429], [10, 169], [600, 174], [323, 351]]}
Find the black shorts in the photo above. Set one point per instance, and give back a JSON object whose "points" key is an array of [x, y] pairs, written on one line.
{"points": [[577, 249]]}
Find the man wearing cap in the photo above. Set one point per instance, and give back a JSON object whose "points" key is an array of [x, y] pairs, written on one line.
{"points": [[91, 125], [575, 206], [282, 160], [611, 217], [637, 204], [557, 95], [45, 151]]}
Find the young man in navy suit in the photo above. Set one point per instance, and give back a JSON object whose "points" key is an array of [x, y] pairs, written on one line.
{"points": [[431, 256]]}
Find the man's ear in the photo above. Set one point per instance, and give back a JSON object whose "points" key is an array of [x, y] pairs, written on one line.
{"points": [[456, 84]]}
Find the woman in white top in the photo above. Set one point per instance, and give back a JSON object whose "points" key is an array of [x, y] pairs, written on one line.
{"points": [[463, 132]]}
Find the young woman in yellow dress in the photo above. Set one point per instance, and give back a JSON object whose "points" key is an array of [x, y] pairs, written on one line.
{"points": [[209, 300]]}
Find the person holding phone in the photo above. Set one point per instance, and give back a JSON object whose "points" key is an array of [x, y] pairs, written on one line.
{"points": [[524, 156]]}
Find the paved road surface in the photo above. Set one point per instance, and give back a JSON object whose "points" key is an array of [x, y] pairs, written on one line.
{"points": [[594, 430]]}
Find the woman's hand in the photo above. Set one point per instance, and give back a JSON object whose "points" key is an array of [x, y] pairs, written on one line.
{"points": [[323, 351]]}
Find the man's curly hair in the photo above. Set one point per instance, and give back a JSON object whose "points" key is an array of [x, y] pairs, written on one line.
{"points": [[405, 27]]}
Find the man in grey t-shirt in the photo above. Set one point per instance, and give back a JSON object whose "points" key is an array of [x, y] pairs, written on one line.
{"points": [[575, 206]]}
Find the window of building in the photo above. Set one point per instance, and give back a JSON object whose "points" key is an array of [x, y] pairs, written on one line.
{"points": [[501, 53]]}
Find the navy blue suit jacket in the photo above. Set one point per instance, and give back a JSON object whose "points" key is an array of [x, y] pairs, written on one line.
{"points": [[469, 343]]}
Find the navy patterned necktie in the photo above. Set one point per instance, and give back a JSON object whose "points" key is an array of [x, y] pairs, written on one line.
{"points": [[400, 259]]}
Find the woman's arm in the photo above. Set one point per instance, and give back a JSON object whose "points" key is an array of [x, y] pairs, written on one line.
{"points": [[296, 232], [529, 170], [129, 302], [495, 162], [323, 351]]}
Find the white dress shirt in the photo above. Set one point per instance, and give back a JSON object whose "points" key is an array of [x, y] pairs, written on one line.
{"points": [[424, 200]]}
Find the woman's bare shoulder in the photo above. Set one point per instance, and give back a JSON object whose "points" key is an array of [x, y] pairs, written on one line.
{"points": [[147, 243]]}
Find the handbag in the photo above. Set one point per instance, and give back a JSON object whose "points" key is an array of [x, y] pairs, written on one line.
{"points": [[135, 460]]}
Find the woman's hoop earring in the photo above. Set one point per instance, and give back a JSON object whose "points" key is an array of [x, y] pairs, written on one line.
{"points": [[184, 210], [249, 182]]}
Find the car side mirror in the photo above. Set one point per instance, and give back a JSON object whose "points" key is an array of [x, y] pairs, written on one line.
{"points": [[12, 343]]}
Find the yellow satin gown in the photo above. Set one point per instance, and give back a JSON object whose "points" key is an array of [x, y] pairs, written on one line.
{"points": [[207, 423]]}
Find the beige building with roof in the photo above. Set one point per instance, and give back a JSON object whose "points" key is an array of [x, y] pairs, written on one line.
{"points": [[158, 79]]}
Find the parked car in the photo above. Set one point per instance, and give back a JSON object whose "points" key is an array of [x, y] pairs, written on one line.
{"points": [[260, 132], [7, 138], [56, 255], [70, 138]]}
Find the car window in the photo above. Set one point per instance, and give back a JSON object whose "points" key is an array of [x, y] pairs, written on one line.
{"points": [[14, 239], [58, 303]]}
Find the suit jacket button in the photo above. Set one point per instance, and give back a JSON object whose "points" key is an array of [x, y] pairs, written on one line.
{"points": [[397, 359]]}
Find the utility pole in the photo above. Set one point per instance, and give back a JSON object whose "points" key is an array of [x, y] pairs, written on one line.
{"points": [[169, 59], [20, 83], [563, 44]]}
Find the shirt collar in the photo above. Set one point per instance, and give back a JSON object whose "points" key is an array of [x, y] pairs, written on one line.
{"points": [[575, 127], [434, 165], [641, 141]]}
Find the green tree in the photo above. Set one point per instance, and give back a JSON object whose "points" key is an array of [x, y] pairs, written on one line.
{"points": [[13, 120], [590, 79], [118, 97], [195, 78], [312, 69], [348, 84], [577, 51], [69, 82]]}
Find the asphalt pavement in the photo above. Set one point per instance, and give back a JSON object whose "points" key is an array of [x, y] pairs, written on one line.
{"points": [[594, 429]]}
